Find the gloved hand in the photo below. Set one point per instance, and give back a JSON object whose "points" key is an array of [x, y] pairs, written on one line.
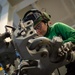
{"points": [[66, 50]]}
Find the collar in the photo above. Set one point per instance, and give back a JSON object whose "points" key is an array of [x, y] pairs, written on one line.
{"points": [[48, 31]]}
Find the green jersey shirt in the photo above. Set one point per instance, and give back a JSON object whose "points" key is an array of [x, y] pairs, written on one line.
{"points": [[60, 29]]}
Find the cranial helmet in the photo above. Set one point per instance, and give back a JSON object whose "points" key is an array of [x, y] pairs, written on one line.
{"points": [[36, 16]]}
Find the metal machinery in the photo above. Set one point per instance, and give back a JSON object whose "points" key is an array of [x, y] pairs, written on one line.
{"points": [[38, 56]]}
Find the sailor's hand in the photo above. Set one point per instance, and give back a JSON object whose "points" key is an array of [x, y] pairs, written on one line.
{"points": [[65, 49]]}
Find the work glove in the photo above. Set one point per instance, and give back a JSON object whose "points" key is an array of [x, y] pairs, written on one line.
{"points": [[67, 50], [64, 49]]}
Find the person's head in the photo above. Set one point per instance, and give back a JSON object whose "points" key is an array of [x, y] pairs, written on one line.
{"points": [[40, 20]]}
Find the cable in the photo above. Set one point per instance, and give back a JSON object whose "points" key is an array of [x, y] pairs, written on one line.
{"points": [[58, 71]]}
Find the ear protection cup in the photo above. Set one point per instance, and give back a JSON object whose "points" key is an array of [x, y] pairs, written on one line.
{"points": [[46, 16]]}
